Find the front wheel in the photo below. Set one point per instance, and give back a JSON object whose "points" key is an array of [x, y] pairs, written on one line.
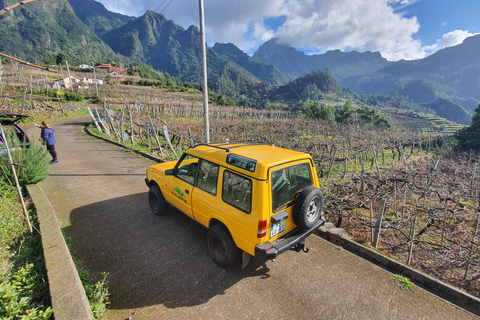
{"points": [[157, 201], [222, 247], [308, 207]]}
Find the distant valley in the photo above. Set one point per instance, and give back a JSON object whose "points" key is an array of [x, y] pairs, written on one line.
{"points": [[446, 82]]}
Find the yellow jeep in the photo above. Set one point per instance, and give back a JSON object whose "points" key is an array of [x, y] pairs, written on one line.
{"points": [[255, 200]]}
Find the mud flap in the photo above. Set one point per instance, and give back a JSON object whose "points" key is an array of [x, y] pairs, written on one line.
{"points": [[245, 259]]}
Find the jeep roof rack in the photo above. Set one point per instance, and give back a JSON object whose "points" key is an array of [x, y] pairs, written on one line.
{"points": [[228, 145]]}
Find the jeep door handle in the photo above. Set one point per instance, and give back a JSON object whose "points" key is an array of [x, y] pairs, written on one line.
{"points": [[187, 191]]}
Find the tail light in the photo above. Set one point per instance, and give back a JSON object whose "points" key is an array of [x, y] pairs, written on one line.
{"points": [[262, 228], [26, 138]]}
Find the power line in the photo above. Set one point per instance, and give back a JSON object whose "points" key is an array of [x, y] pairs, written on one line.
{"points": [[161, 4]]}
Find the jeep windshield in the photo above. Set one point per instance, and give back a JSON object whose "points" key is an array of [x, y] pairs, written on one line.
{"points": [[286, 182]]}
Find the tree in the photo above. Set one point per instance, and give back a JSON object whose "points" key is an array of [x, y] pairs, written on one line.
{"points": [[372, 118], [344, 115], [315, 110], [469, 137]]}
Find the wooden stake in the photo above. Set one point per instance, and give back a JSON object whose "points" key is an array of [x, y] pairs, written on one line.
{"points": [[378, 226], [19, 191], [410, 251]]}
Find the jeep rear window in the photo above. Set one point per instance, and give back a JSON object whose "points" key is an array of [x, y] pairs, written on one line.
{"points": [[286, 182], [237, 191], [241, 162]]}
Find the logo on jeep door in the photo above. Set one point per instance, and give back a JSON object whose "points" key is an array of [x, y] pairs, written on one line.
{"points": [[179, 192]]}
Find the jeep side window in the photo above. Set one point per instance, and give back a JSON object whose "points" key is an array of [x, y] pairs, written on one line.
{"points": [[286, 182], [187, 169], [208, 177], [237, 191]]}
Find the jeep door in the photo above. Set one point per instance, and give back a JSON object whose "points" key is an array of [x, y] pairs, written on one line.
{"points": [[180, 184]]}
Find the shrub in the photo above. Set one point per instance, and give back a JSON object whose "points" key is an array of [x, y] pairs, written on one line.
{"points": [[33, 165]]}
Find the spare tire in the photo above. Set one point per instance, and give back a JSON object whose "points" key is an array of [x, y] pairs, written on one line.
{"points": [[308, 207]]}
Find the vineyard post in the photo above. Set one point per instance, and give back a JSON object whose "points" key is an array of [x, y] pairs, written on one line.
{"points": [[332, 163], [473, 179], [60, 104], [410, 251], [120, 129], [131, 125], [109, 119], [102, 124], [94, 119], [371, 219], [192, 143], [156, 137], [378, 226], [472, 247], [167, 137], [23, 99], [140, 131]]}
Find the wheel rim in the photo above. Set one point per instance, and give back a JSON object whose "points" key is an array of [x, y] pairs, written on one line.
{"points": [[313, 209], [219, 249]]}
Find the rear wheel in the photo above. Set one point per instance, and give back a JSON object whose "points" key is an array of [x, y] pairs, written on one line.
{"points": [[157, 201], [308, 207], [222, 247]]}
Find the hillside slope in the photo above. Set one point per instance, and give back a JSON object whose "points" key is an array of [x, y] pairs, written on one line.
{"points": [[263, 71], [97, 17], [46, 28]]}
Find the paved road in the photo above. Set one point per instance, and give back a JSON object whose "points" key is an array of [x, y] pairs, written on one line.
{"points": [[159, 267]]}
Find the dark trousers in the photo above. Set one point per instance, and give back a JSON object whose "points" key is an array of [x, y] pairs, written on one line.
{"points": [[51, 149]]}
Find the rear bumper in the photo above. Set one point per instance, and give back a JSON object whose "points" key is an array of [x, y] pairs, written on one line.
{"points": [[270, 250]]}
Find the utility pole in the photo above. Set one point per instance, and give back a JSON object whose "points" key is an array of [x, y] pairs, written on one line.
{"points": [[69, 77], [95, 77], [204, 74]]}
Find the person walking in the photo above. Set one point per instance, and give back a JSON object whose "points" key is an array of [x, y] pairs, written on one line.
{"points": [[48, 136]]}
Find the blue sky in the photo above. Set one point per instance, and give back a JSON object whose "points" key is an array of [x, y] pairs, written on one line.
{"points": [[398, 29]]}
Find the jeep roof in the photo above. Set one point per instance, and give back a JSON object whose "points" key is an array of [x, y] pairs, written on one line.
{"points": [[263, 156]]}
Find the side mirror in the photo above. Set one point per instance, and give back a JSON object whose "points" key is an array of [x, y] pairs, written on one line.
{"points": [[169, 172]]}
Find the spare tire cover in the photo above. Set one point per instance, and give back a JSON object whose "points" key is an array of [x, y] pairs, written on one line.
{"points": [[308, 207]]}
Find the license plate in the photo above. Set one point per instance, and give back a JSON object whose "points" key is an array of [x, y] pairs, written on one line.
{"points": [[277, 228]]}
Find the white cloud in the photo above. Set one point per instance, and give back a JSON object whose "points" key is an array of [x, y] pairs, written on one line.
{"points": [[448, 40], [312, 25], [361, 25], [126, 7]]}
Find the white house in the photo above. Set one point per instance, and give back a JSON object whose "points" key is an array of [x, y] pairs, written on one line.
{"points": [[67, 82], [92, 81], [116, 76], [85, 66]]}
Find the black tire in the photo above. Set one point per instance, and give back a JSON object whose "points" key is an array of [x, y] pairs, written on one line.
{"points": [[222, 248], [157, 201], [308, 207]]}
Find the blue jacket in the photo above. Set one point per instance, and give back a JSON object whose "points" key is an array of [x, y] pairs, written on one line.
{"points": [[48, 135]]}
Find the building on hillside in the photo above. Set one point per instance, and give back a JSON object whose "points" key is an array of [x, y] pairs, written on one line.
{"points": [[92, 81], [116, 76], [67, 82], [104, 66], [85, 66]]}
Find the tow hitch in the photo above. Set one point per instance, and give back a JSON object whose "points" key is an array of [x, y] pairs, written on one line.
{"points": [[300, 247]]}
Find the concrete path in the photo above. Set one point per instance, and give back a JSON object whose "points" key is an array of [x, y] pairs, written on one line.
{"points": [[159, 267]]}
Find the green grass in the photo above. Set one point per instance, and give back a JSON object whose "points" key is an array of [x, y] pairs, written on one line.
{"points": [[23, 279], [403, 282]]}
